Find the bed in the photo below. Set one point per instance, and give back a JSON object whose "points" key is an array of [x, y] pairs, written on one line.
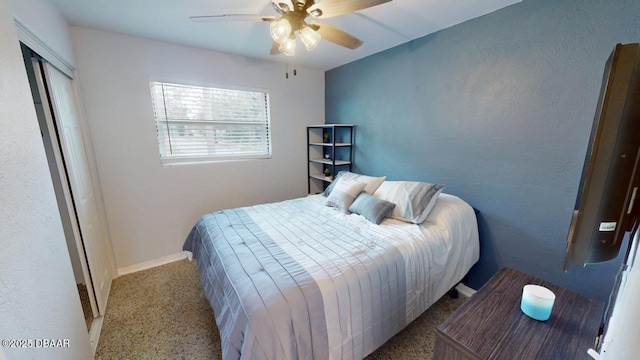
{"points": [[298, 279]]}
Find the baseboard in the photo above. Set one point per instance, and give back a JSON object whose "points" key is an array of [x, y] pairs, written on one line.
{"points": [[151, 263], [464, 290], [94, 333]]}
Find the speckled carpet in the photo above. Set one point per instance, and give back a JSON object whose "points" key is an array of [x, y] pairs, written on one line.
{"points": [[86, 305], [162, 313]]}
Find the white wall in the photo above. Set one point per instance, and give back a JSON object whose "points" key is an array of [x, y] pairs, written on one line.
{"points": [[622, 337], [38, 295], [48, 24], [150, 208]]}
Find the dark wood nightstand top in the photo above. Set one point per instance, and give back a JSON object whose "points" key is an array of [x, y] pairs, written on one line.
{"points": [[490, 325]]}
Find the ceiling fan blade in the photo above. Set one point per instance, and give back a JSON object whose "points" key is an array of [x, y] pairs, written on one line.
{"points": [[336, 35], [275, 48], [232, 17], [330, 8]]}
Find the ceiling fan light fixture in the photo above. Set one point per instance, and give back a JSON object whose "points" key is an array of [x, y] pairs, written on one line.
{"points": [[288, 47], [310, 38], [315, 12], [280, 30], [291, 22], [282, 6]]}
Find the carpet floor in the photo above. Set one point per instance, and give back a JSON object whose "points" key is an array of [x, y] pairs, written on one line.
{"points": [[86, 305], [162, 313]]}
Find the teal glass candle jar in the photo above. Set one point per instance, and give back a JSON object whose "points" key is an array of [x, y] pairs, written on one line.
{"points": [[537, 302]]}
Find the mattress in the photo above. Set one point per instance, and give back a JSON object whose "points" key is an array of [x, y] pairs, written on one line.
{"points": [[300, 280]]}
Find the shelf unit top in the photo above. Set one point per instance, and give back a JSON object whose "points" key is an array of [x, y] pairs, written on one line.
{"points": [[328, 126]]}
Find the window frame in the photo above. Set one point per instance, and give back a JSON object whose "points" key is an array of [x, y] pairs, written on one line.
{"points": [[203, 159]]}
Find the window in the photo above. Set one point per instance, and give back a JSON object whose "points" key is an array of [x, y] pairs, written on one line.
{"points": [[199, 124]]}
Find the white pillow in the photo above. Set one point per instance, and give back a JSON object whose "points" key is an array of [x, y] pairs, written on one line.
{"points": [[344, 193], [414, 200], [371, 182]]}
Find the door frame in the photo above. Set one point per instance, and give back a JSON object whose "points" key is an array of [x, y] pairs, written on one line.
{"points": [[63, 179], [30, 39], [42, 70], [66, 202]]}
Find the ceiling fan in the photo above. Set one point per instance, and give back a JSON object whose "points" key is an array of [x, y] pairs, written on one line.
{"points": [[291, 19]]}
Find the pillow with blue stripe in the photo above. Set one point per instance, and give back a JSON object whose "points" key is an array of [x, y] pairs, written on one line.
{"points": [[414, 200], [371, 182], [344, 193]]}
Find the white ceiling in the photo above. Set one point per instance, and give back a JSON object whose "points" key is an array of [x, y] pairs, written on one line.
{"points": [[380, 27]]}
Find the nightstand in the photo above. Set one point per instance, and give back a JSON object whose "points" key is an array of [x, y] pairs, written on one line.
{"points": [[490, 325]]}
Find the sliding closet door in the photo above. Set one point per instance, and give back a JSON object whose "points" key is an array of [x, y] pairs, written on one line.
{"points": [[92, 228]]}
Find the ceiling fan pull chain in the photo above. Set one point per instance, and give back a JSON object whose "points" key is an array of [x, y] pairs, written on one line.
{"points": [[286, 69]]}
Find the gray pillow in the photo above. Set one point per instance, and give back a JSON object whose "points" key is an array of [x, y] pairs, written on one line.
{"points": [[373, 209]]}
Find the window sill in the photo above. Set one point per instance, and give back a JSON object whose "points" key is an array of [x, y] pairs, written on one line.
{"points": [[209, 160]]}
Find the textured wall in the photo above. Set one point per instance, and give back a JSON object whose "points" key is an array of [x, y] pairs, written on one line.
{"points": [[499, 109], [43, 19], [151, 208], [38, 295]]}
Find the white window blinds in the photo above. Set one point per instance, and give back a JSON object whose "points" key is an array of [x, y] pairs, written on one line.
{"points": [[197, 123]]}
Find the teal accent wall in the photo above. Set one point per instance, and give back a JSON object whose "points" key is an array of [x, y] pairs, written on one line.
{"points": [[499, 109]]}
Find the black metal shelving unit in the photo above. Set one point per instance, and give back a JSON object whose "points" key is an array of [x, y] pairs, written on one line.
{"points": [[339, 150]]}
